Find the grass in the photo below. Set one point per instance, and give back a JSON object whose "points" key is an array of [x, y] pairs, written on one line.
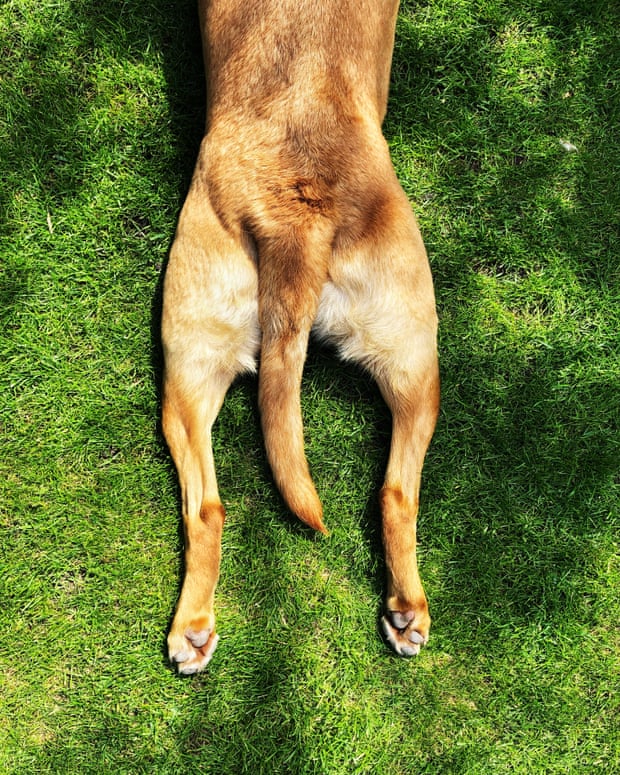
{"points": [[101, 107]]}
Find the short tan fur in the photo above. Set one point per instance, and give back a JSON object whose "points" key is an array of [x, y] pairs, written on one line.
{"points": [[295, 221]]}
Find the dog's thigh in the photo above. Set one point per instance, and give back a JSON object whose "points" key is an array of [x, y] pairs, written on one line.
{"points": [[210, 313], [379, 311], [209, 331], [210, 334], [378, 307]]}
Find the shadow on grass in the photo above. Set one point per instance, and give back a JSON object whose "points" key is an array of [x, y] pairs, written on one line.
{"points": [[468, 88], [522, 518], [46, 132]]}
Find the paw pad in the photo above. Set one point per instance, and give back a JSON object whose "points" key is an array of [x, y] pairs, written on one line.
{"points": [[398, 629]]}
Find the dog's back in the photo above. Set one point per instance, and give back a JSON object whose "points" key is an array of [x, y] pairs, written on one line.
{"points": [[275, 58], [296, 93]]}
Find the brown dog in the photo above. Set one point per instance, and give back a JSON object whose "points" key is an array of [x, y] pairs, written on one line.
{"points": [[295, 221]]}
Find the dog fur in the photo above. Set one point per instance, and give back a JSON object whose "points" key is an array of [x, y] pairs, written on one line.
{"points": [[295, 221]]}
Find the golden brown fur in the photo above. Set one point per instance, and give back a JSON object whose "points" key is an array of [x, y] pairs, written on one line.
{"points": [[295, 221]]}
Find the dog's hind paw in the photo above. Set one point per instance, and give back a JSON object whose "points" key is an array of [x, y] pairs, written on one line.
{"points": [[191, 651], [404, 634]]}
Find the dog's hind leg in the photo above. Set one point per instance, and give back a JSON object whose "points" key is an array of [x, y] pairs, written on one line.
{"points": [[413, 400], [379, 310], [210, 334]]}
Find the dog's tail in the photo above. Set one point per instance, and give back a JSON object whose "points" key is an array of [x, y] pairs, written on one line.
{"points": [[293, 268]]}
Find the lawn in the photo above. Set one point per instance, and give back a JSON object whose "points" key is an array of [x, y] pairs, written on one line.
{"points": [[504, 127]]}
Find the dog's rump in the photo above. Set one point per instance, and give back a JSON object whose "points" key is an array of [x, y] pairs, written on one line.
{"points": [[296, 93]]}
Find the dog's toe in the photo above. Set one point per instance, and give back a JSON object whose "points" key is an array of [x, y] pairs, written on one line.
{"points": [[400, 619], [197, 638]]}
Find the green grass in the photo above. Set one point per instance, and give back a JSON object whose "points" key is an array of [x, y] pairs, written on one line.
{"points": [[101, 108]]}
